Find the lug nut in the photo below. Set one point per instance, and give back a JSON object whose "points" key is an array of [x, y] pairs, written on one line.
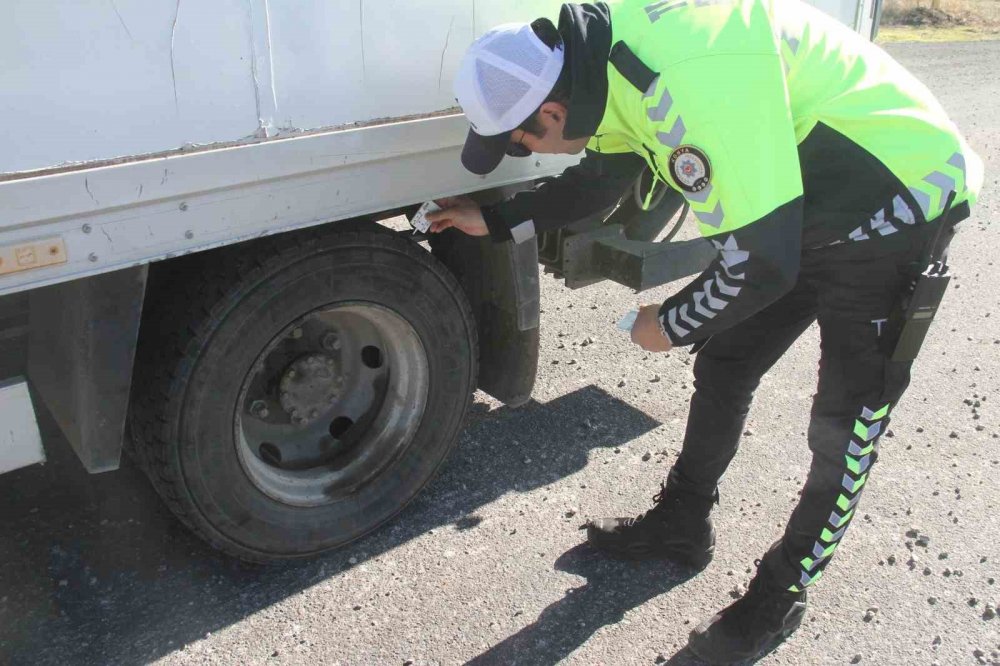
{"points": [[296, 332], [259, 409], [313, 414], [331, 342]]}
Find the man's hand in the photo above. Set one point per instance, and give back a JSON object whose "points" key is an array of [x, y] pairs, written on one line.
{"points": [[647, 332], [461, 213]]}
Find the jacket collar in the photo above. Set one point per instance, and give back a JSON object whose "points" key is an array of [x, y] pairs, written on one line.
{"points": [[586, 33]]}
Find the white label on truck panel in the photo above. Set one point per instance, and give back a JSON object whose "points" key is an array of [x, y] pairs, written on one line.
{"points": [[33, 254]]}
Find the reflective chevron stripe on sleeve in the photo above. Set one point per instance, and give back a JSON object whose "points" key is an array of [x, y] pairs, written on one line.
{"points": [[932, 192], [930, 195], [681, 320]]}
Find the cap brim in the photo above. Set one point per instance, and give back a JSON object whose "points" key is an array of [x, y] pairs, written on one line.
{"points": [[483, 154]]}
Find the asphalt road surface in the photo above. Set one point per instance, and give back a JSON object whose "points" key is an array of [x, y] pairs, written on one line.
{"points": [[486, 565]]}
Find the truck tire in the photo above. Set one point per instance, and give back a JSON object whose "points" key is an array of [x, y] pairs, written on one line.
{"points": [[293, 394]]}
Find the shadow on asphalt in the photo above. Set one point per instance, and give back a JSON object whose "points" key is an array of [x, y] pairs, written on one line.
{"points": [[95, 570], [613, 588]]}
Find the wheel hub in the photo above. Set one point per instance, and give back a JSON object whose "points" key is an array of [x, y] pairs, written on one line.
{"points": [[309, 386], [330, 402]]}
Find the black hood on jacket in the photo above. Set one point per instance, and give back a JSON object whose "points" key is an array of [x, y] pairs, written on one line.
{"points": [[586, 34]]}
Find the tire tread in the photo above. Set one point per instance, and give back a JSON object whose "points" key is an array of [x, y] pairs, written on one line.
{"points": [[193, 295]]}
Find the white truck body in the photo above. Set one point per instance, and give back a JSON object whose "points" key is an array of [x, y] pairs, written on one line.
{"points": [[146, 130], [138, 131]]}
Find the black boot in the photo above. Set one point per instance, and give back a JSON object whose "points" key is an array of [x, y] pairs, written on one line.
{"points": [[751, 626], [677, 528]]}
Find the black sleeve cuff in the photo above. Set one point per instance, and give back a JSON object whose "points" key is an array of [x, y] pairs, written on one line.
{"points": [[499, 231]]}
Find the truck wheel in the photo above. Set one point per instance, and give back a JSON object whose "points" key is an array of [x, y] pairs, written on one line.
{"points": [[293, 394]]}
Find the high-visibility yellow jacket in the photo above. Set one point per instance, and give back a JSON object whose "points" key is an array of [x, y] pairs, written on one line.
{"points": [[744, 107]]}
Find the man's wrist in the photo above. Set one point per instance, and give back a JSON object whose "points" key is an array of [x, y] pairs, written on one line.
{"points": [[495, 223]]}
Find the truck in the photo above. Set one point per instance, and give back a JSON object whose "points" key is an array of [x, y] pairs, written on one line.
{"points": [[203, 265]]}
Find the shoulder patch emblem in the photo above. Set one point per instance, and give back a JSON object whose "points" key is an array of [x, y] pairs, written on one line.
{"points": [[690, 168]]}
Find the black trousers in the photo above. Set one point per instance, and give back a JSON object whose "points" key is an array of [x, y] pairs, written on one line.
{"points": [[851, 289]]}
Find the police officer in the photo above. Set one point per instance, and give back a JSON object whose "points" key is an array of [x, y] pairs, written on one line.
{"points": [[820, 170]]}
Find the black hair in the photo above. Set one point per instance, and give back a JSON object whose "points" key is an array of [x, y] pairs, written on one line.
{"points": [[549, 34]]}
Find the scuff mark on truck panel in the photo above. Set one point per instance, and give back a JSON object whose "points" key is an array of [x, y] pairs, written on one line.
{"points": [[270, 62], [119, 15], [173, 72], [253, 71], [86, 186], [361, 9], [447, 38], [263, 79]]}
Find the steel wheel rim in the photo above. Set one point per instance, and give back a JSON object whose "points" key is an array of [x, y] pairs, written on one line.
{"points": [[330, 403]]}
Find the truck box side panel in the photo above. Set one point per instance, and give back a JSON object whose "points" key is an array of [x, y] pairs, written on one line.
{"points": [[350, 62], [85, 81], [94, 80]]}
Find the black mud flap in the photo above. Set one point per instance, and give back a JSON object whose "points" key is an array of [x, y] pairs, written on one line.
{"points": [[501, 282], [81, 349]]}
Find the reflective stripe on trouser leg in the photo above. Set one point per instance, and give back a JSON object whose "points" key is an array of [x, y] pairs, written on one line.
{"points": [[857, 388], [857, 461]]}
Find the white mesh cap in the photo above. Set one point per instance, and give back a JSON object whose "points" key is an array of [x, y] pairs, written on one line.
{"points": [[504, 77]]}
